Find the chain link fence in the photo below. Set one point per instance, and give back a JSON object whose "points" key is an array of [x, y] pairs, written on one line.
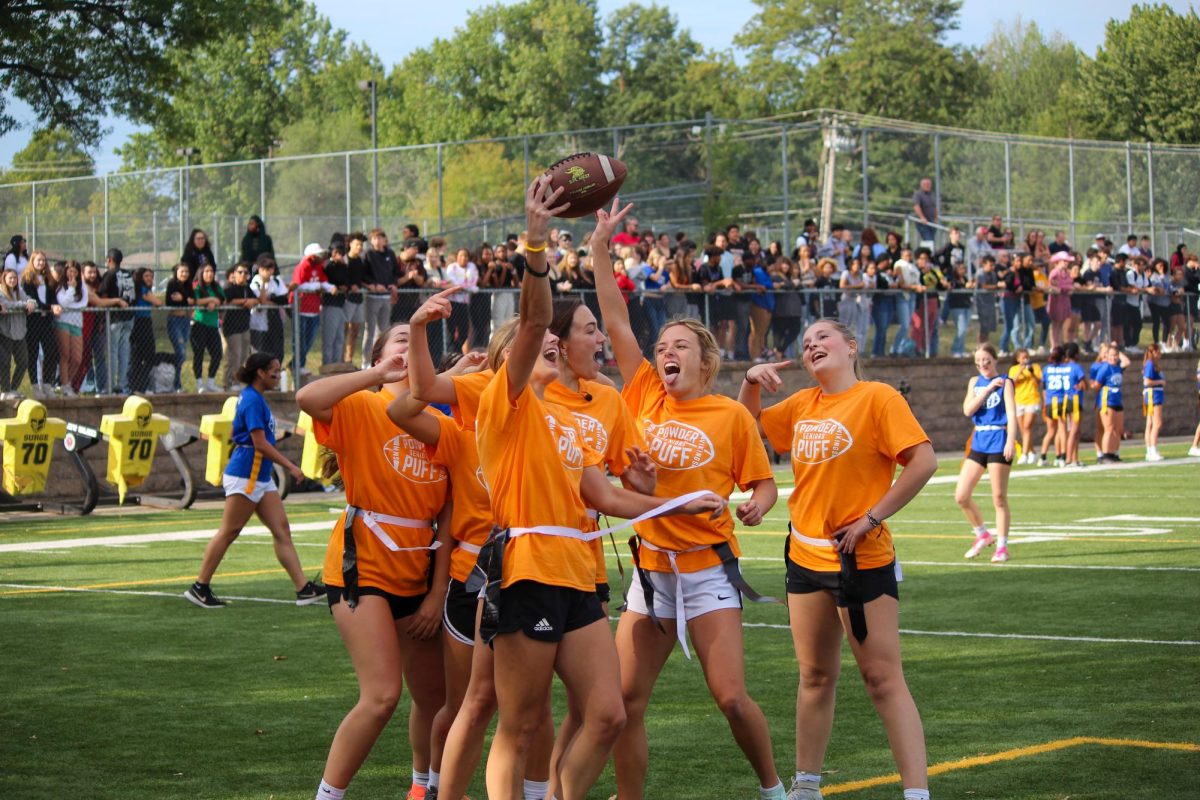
{"points": [[768, 175]]}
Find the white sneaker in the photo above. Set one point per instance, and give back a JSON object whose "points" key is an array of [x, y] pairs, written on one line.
{"points": [[1060, 462], [1195, 451], [1153, 455]]}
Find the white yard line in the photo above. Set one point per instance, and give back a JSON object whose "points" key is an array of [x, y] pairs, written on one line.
{"points": [[144, 538]]}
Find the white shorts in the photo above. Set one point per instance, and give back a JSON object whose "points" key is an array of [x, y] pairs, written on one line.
{"points": [[703, 591], [235, 485], [1033, 409]]}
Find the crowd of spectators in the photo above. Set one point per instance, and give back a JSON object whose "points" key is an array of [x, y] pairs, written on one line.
{"points": [[77, 327]]}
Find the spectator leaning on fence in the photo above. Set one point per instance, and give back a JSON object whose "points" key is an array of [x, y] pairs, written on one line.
{"points": [[15, 306], [356, 276], [37, 283], [333, 305], [141, 338], [71, 294], [235, 327], [380, 276], [308, 281], [266, 319], [179, 298], [117, 284], [206, 334], [926, 211]]}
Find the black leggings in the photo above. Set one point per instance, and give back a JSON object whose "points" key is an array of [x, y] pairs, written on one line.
{"points": [[40, 333], [205, 337], [14, 356], [786, 330], [1160, 316]]}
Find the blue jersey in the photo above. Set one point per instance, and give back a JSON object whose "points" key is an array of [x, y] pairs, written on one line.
{"points": [[991, 419], [1056, 380], [252, 414], [1095, 373], [1074, 379], [1152, 395], [1111, 378]]}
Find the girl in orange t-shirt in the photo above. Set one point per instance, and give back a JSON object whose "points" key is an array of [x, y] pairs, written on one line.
{"points": [[845, 437], [386, 604], [540, 474], [698, 440]]}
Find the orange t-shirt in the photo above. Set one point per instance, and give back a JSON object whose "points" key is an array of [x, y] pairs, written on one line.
{"points": [[709, 443], [471, 520], [608, 428], [844, 450], [386, 471], [467, 389], [533, 458]]}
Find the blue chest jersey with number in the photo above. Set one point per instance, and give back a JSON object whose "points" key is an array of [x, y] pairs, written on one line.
{"points": [[252, 414], [991, 420], [1152, 395]]}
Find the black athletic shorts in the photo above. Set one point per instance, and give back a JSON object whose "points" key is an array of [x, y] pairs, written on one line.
{"points": [[458, 615], [1115, 408], [983, 459], [873, 582], [400, 605], [546, 613]]}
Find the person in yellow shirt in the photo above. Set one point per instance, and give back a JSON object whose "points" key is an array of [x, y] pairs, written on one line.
{"points": [[542, 478], [386, 603], [845, 437], [688, 579], [1027, 380]]}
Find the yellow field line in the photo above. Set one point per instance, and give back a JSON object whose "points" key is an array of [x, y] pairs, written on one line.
{"points": [[149, 582], [1010, 755]]}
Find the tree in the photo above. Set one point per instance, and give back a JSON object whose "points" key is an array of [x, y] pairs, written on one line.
{"points": [[1144, 84], [801, 50], [242, 89], [74, 61], [51, 153]]}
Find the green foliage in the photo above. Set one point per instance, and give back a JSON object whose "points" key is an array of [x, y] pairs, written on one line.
{"points": [[74, 61], [1144, 84], [51, 153]]}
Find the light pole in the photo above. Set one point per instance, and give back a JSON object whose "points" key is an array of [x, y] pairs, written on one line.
{"points": [[372, 86], [187, 153]]}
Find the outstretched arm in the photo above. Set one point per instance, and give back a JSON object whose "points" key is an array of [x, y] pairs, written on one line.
{"points": [[537, 305], [424, 381], [612, 305], [598, 493], [409, 415], [319, 397]]}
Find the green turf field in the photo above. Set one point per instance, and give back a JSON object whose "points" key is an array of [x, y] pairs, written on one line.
{"points": [[1071, 672]]}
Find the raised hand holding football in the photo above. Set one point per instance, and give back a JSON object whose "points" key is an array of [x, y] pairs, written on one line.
{"points": [[589, 181]]}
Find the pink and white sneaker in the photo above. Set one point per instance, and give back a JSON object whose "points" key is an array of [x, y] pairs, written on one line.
{"points": [[1000, 556], [983, 540]]}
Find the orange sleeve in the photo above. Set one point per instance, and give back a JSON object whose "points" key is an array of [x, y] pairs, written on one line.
{"points": [[776, 423], [341, 427], [634, 393], [899, 429], [750, 462], [625, 434], [467, 391], [447, 448]]}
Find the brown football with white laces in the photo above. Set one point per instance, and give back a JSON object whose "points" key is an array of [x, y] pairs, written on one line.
{"points": [[589, 181]]}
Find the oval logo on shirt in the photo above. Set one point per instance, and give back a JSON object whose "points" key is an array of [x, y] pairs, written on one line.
{"points": [[677, 445], [566, 439], [595, 435], [407, 456], [815, 441]]}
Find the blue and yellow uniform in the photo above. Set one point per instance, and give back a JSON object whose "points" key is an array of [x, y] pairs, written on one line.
{"points": [[1151, 395], [1111, 379], [248, 472], [1061, 383]]}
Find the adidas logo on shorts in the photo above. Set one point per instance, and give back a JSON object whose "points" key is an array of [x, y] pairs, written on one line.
{"points": [[543, 626]]}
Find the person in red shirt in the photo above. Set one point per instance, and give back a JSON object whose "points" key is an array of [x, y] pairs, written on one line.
{"points": [[629, 236], [309, 280]]}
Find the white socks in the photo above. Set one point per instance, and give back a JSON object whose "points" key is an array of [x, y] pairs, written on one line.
{"points": [[808, 780], [916, 794], [327, 792], [775, 792], [536, 790], [420, 778], [434, 779]]}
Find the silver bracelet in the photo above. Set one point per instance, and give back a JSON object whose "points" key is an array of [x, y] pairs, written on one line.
{"points": [[875, 523]]}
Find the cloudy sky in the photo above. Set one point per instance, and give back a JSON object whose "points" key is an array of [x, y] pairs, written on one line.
{"points": [[392, 31]]}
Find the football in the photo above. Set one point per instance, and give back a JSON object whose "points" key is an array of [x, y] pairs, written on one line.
{"points": [[589, 180]]}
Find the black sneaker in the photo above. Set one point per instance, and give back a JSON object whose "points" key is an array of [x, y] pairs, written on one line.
{"points": [[311, 593], [201, 595]]}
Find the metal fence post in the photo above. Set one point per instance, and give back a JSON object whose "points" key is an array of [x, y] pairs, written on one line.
{"points": [[297, 364], [1008, 181], [106, 240], [1150, 197], [525, 151], [154, 236], [441, 192], [866, 182], [262, 188], [1071, 186], [1129, 187], [112, 355], [616, 143], [787, 207], [348, 225], [179, 205], [33, 214], [937, 176]]}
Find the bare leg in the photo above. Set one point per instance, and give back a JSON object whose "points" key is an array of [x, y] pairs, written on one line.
{"points": [[816, 637], [427, 684], [643, 650], [523, 668], [998, 473], [464, 742], [968, 479], [879, 662], [238, 509], [272, 514], [457, 659], [370, 637], [717, 637]]}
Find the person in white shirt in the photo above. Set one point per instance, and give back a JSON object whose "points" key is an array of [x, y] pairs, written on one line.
{"points": [[462, 272], [18, 254], [71, 294]]}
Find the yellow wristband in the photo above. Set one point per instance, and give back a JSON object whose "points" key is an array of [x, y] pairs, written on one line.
{"points": [[541, 249]]}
